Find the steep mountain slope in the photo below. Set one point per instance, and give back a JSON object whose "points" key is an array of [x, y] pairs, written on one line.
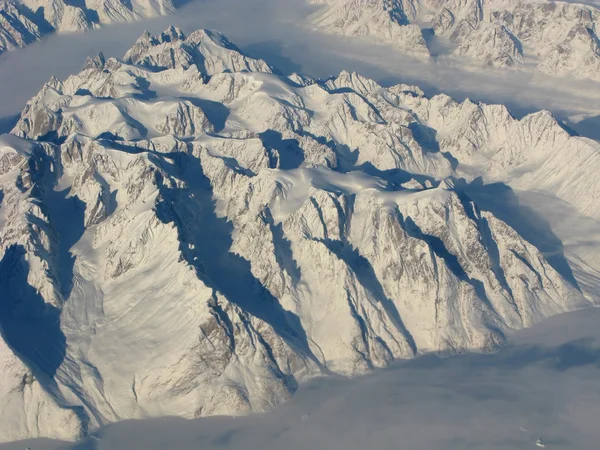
{"points": [[561, 36], [186, 232], [385, 19], [25, 21]]}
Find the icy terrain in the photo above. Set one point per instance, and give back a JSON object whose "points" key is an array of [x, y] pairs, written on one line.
{"points": [[25, 21], [187, 232], [556, 37], [276, 32]]}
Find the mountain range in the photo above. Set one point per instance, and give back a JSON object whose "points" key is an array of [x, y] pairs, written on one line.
{"points": [[555, 37], [186, 231], [25, 21]]}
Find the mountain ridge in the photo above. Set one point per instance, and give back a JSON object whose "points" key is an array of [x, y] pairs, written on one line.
{"points": [[25, 21], [560, 38], [187, 232]]}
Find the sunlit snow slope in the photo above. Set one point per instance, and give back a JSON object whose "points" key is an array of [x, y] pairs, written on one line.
{"points": [[186, 232]]}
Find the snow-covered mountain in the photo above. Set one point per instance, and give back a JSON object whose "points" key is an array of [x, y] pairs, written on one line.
{"points": [[17, 26], [187, 232], [25, 21], [384, 19], [561, 37]]}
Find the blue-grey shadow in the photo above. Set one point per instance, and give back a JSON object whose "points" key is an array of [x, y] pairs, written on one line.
{"points": [[29, 325], [501, 201], [215, 112], [66, 217], [367, 277], [438, 247], [283, 248], [289, 153], [589, 128], [206, 241]]}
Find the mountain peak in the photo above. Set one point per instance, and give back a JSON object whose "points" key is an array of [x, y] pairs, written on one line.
{"points": [[28, 20], [172, 34], [209, 51], [95, 63], [561, 35]]}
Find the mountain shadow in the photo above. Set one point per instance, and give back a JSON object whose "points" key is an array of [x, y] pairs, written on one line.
{"points": [[367, 277], [206, 241], [503, 203], [289, 153], [30, 327]]}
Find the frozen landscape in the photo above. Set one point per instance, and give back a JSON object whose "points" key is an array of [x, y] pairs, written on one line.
{"points": [[25, 21], [281, 33], [555, 37], [190, 229], [544, 384]]}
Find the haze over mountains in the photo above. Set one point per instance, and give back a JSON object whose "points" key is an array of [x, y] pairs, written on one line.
{"points": [[188, 232], [555, 37]]}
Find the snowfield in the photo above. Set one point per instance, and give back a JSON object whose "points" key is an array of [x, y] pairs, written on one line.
{"points": [[187, 232]]}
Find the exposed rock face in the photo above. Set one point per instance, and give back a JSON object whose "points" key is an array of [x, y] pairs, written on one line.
{"points": [[25, 21], [186, 232], [562, 36], [16, 27]]}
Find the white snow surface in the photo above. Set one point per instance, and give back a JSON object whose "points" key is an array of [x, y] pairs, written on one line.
{"points": [[186, 232]]}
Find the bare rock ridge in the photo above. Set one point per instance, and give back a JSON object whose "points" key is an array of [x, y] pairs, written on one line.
{"points": [[25, 21], [187, 232], [561, 37]]}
